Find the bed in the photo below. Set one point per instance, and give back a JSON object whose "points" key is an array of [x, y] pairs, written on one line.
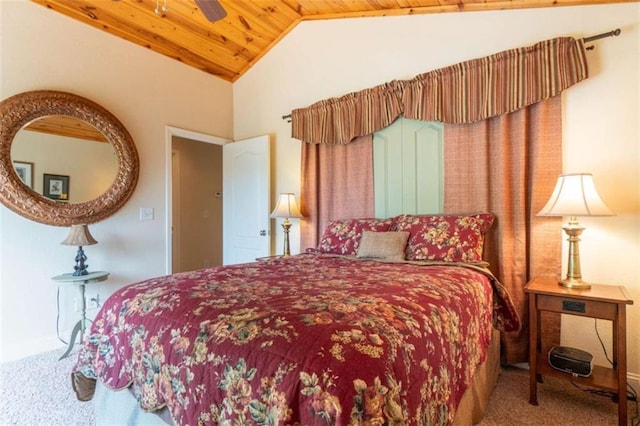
{"points": [[375, 326]]}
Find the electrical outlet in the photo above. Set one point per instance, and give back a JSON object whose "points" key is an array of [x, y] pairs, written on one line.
{"points": [[92, 302]]}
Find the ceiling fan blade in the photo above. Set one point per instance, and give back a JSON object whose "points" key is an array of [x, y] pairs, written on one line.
{"points": [[211, 9]]}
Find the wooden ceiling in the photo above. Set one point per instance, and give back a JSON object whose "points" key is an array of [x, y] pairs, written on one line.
{"points": [[229, 47], [62, 125]]}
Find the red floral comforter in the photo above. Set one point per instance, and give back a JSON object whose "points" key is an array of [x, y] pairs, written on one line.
{"points": [[310, 339]]}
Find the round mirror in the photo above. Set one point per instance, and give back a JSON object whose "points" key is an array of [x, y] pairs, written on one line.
{"points": [[49, 151], [63, 158]]}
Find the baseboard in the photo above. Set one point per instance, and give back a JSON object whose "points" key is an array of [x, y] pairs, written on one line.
{"points": [[33, 347], [634, 381]]}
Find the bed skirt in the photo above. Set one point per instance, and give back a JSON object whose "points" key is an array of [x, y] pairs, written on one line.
{"points": [[476, 398], [121, 407]]}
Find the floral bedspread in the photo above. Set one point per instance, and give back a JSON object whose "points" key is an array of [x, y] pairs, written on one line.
{"points": [[309, 339]]}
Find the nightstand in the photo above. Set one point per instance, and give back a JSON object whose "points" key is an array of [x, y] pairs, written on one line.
{"points": [[600, 301], [80, 281]]}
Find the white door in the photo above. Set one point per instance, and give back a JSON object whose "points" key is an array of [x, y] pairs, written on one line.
{"points": [[245, 172]]}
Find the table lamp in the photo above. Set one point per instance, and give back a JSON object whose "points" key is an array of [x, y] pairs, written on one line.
{"points": [[575, 195], [286, 207], [79, 235]]}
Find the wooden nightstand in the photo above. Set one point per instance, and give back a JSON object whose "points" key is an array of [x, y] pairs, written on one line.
{"points": [[600, 301]]}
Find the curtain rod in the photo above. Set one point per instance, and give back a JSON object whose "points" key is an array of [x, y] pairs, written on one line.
{"points": [[615, 32], [589, 39]]}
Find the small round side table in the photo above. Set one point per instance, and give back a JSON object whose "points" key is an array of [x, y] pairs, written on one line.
{"points": [[80, 281]]}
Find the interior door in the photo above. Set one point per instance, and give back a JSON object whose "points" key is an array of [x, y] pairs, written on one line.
{"points": [[245, 170]]}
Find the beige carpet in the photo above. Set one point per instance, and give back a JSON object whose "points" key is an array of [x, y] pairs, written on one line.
{"points": [[36, 391], [559, 403]]}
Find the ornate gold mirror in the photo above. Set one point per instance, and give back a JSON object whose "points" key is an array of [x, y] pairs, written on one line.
{"points": [[65, 115]]}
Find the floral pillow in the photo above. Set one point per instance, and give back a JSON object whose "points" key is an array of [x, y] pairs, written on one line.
{"points": [[343, 236], [449, 238]]}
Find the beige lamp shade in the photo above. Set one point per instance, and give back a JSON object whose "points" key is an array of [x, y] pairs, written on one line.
{"points": [[286, 206], [575, 195], [79, 235]]}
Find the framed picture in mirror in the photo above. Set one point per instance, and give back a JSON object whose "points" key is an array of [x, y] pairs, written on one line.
{"points": [[56, 187], [24, 170]]}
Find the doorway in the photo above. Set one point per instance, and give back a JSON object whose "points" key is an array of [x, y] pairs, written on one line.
{"points": [[194, 200]]}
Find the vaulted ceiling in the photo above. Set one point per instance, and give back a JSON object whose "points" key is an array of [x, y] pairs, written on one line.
{"points": [[230, 46]]}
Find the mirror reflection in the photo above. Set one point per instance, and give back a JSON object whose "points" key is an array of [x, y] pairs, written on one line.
{"points": [[64, 159]]}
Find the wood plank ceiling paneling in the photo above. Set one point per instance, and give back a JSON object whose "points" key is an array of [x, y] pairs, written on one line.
{"points": [[229, 47], [66, 126]]}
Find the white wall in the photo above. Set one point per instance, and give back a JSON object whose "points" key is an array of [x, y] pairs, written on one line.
{"points": [[601, 133], [41, 49]]}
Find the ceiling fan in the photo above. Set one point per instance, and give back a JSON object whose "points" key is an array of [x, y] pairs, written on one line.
{"points": [[211, 9]]}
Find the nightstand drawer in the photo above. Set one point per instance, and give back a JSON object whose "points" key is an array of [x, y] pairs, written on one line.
{"points": [[568, 305]]}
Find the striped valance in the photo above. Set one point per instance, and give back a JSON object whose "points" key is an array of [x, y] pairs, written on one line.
{"points": [[463, 93]]}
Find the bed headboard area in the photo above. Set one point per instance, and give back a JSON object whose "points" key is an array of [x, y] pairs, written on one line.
{"points": [[487, 139]]}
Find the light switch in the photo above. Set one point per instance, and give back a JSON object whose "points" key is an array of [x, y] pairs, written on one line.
{"points": [[146, 213]]}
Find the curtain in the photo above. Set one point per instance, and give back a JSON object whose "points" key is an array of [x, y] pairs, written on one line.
{"points": [[467, 92], [487, 87], [337, 183], [340, 120], [508, 165], [503, 153]]}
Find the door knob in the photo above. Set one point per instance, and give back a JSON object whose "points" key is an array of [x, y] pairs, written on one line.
{"points": [[263, 232]]}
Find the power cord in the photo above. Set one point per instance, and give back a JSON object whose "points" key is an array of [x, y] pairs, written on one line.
{"points": [[631, 392], [58, 317], [604, 349]]}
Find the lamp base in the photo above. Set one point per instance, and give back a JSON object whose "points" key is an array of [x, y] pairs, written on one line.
{"points": [[81, 268], [575, 284], [285, 228], [574, 273]]}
